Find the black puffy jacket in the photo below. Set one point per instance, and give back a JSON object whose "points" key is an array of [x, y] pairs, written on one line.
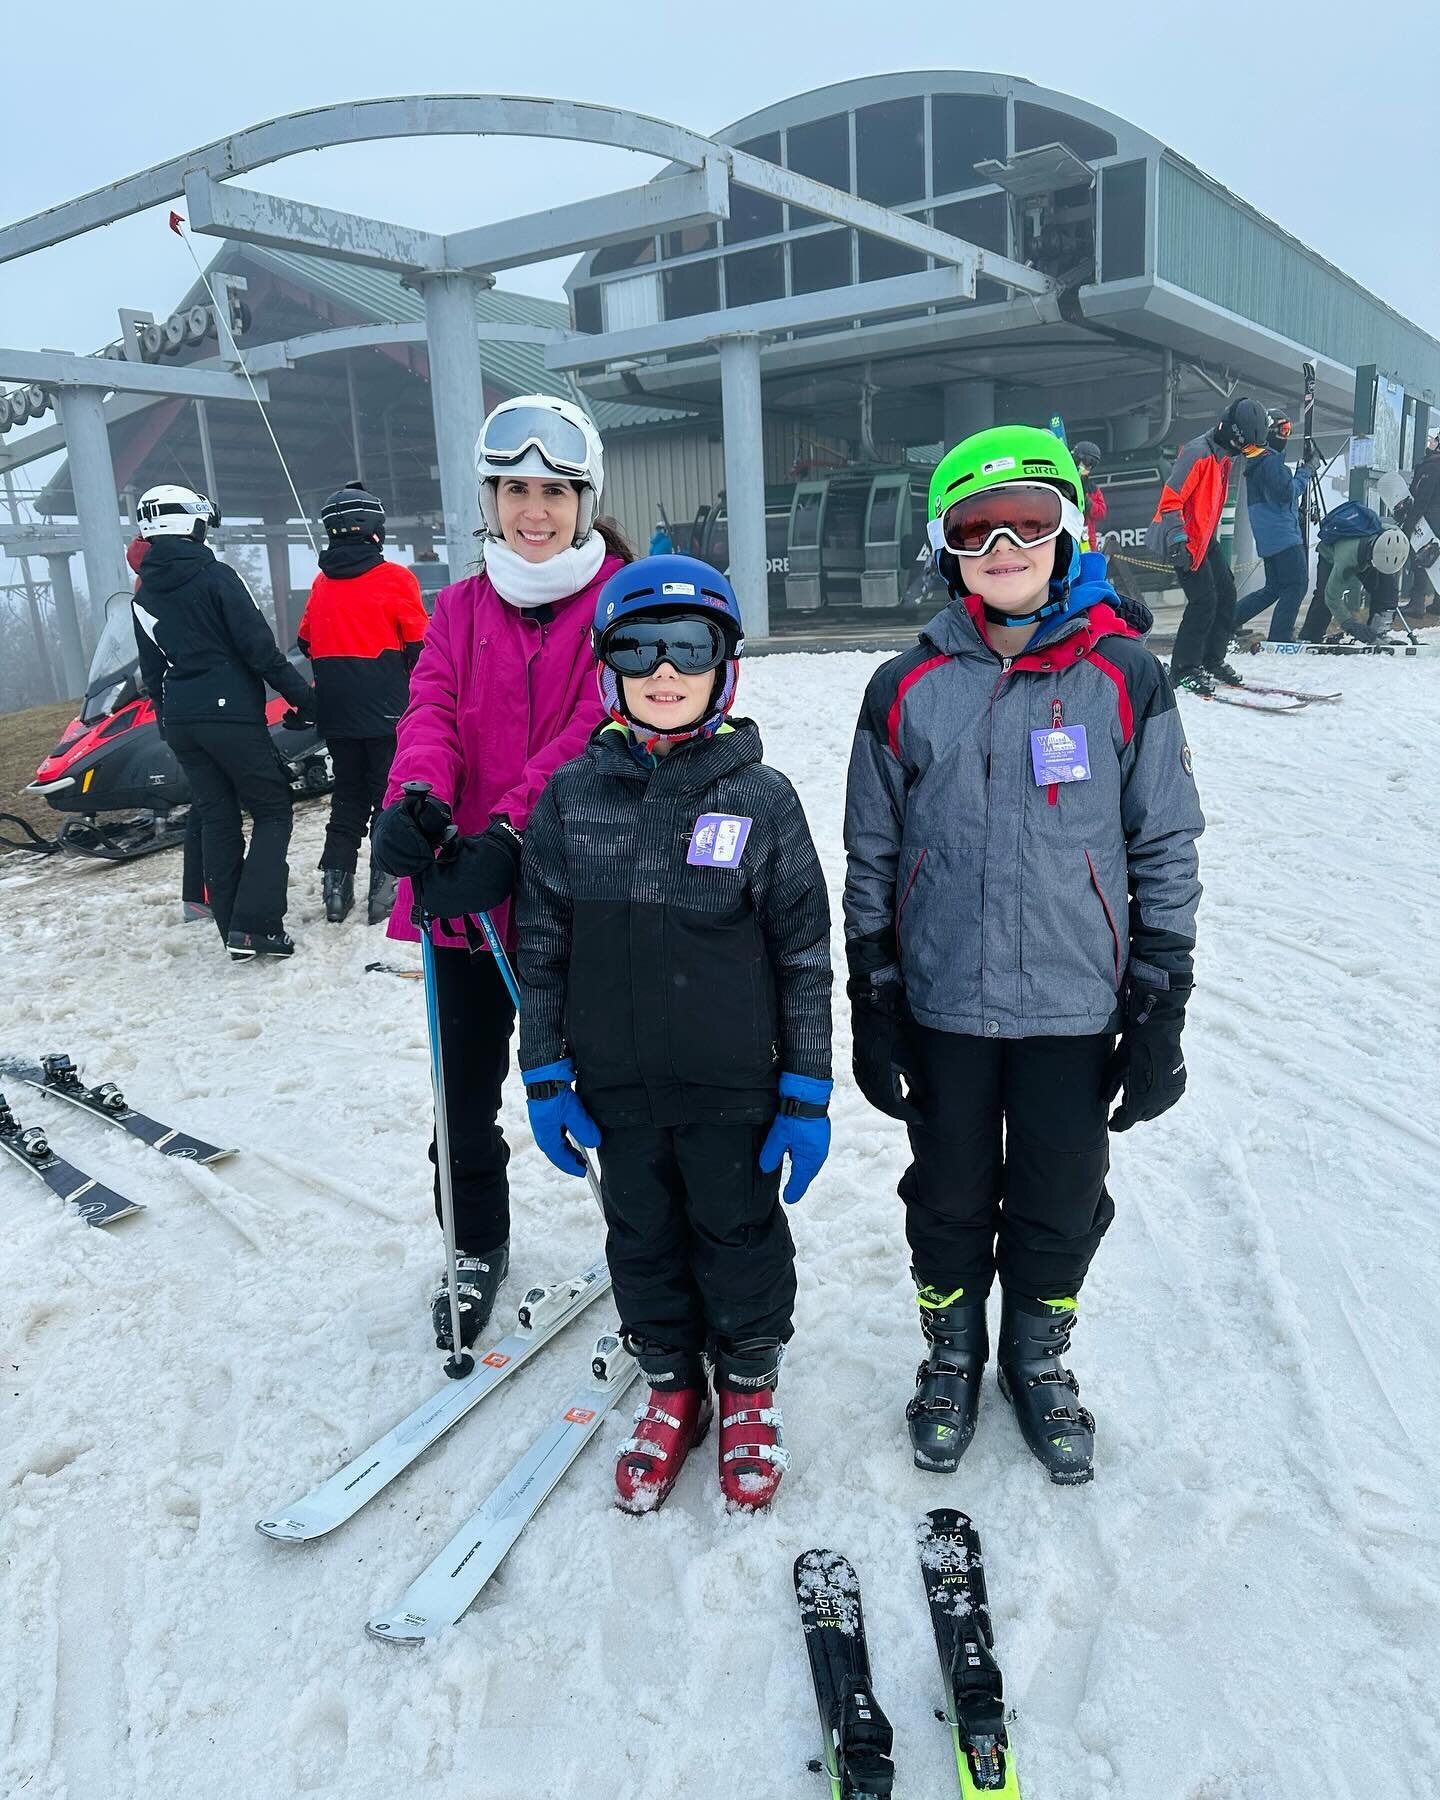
{"points": [[206, 651], [681, 987]]}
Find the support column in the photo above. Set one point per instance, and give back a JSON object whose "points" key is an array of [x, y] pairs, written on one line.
{"points": [[67, 623], [42, 648], [969, 407], [277, 555], [92, 480], [457, 399], [745, 479]]}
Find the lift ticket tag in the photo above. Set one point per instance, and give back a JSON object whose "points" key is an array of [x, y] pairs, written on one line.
{"points": [[718, 841], [1059, 754]]}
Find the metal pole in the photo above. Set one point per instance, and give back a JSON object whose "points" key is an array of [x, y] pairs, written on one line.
{"points": [[356, 442], [92, 480], [745, 479], [202, 419], [37, 623], [67, 621], [457, 399], [277, 555]]}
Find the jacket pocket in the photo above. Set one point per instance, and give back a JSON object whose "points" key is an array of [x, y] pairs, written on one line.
{"points": [[906, 889], [1109, 917]]}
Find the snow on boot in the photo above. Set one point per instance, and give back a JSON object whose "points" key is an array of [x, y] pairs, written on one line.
{"points": [[479, 1279], [381, 899], [667, 1426], [753, 1456], [941, 1416], [1225, 675], [246, 946], [1193, 681], [338, 888], [1043, 1392]]}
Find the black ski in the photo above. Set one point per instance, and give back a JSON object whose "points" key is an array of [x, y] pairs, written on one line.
{"points": [[974, 1709], [96, 1204], [857, 1734], [1310, 507], [57, 1075]]}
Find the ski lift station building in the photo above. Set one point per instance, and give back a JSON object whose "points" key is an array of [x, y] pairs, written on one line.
{"points": [[832, 287]]}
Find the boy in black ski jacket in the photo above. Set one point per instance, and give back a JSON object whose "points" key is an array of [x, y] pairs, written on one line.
{"points": [[675, 967]]}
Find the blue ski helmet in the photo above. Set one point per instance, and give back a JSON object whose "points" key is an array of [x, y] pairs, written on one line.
{"points": [[661, 587]]}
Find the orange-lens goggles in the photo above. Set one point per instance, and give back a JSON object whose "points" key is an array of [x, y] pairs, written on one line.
{"points": [[1028, 515]]}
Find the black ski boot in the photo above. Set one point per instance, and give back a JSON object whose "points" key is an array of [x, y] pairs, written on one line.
{"points": [[338, 888], [941, 1416], [1193, 681], [1224, 674], [246, 946], [479, 1279], [1044, 1393], [382, 895]]}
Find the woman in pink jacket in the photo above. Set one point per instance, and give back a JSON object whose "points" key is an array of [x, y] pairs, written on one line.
{"points": [[503, 693]]}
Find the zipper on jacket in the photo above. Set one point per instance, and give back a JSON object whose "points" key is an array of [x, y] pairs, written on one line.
{"points": [[1057, 719]]}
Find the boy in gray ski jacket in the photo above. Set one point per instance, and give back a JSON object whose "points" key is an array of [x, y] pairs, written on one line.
{"points": [[1021, 884]]}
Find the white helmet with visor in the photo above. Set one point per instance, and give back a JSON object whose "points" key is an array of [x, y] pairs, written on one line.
{"points": [[540, 434]]}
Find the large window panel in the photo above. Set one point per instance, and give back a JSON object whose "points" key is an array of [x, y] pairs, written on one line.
{"points": [[755, 275], [585, 309], [1037, 125], [964, 129], [755, 215], [820, 149], [819, 262], [632, 254], [985, 221], [690, 241], [890, 151], [692, 288], [880, 259], [1122, 229]]}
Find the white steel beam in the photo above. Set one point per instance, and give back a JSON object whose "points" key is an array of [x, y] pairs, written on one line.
{"points": [[219, 209], [59, 369]]}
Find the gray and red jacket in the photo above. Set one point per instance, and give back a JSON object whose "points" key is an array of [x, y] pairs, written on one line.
{"points": [[1013, 909]]}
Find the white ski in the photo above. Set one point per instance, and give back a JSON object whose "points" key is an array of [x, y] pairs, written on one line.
{"points": [[1425, 647], [543, 1312], [442, 1593]]}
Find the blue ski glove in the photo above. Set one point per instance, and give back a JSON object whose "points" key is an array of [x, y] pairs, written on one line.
{"points": [[555, 1109], [801, 1130]]}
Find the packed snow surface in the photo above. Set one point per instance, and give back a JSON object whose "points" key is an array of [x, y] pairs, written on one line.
{"points": [[1242, 1606]]}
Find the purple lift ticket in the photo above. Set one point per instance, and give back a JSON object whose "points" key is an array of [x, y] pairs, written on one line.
{"points": [[718, 840], [1059, 754]]}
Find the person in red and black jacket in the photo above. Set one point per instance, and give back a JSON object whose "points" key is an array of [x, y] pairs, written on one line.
{"points": [[362, 629], [1185, 532]]}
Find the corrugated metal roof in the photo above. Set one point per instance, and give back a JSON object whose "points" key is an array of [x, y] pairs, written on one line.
{"points": [[377, 296]]}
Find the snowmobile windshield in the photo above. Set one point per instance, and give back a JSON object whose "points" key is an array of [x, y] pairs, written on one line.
{"points": [[114, 661]]}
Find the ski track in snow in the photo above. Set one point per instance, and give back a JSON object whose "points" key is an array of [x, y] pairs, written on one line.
{"points": [[1240, 1607]]}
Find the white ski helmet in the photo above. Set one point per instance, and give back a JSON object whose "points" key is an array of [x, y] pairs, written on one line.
{"points": [[171, 511], [540, 434], [1390, 551]]}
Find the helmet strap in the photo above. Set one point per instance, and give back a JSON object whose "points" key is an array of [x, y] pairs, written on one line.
{"points": [[993, 615]]}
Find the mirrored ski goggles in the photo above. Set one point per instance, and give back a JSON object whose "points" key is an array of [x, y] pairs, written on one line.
{"points": [[690, 645], [1028, 513], [509, 434], [1281, 428]]}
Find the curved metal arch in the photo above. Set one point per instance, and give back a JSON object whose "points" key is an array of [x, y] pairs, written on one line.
{"points": [[356, 122]]}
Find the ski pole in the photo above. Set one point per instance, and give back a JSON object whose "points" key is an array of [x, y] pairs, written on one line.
{"points": [[507, 975], [460, 1362]]}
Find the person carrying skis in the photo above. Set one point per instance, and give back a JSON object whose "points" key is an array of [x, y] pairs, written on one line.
{"points": [[1185, 532], [206, 658], [1273, 492], [675, 976], [502, 694], [1021, 883], [362, 629]]}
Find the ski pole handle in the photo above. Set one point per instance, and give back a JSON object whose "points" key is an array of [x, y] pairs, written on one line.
{"points": [[418, 790]]}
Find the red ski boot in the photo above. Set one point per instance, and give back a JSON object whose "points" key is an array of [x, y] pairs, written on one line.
{"points": [[753, 1456], [668, 1426]]}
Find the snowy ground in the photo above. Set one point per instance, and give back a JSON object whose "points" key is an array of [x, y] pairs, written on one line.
{"points": [[1243, 1603]]}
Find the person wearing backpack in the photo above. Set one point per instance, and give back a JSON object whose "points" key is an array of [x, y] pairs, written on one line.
{"points": [[1273, 492], [1185, 531], [1359, 563]]}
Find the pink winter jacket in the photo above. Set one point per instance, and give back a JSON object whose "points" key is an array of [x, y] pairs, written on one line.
{"points": [[497, 702]]}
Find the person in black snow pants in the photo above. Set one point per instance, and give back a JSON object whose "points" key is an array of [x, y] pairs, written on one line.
{"points": [[362, 628], [675, 983], [1020, 826], [206, 657]]}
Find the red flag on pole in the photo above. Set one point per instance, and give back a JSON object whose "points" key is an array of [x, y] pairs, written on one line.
{"points": [[175, 223]]}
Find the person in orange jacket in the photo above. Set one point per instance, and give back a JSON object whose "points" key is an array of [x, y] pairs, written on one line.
{"points": [[362, 629], [1185, 532]]}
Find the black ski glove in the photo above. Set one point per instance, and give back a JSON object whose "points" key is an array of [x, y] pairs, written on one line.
{"points": [[405, 837], [473, 876], [297, 719], [1181, 561], [1148, 1062], [878, 1017]]}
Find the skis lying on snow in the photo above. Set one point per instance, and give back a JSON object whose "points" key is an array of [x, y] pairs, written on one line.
{"points": [[974, 1709], [857, 1735], [543, 1312], [445, 1590], [1425, 647], [1254, 687], [384, 968], [95, 1203], [57, 1075], [1236, 697]]}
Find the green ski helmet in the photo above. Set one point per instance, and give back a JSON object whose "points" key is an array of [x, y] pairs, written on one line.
{"points": [[999, 457]]}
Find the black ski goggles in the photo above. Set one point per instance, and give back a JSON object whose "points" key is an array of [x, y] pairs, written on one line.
{"points": [[691, 645], [508, 434]]}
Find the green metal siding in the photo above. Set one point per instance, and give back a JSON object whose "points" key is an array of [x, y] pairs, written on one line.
{"points": [[1212, 245]]}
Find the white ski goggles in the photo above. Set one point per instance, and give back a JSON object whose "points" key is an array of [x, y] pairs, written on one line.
{"points": [[510, 433], [1029, 513]]}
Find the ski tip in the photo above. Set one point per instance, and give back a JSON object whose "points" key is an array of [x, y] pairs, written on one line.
{"points": [[407, 1630], [942, 1519], [284, 1531], [217, 1156]]}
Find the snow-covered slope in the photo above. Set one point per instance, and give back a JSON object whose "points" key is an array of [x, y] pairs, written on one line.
{"points": [[1241, 1607]]}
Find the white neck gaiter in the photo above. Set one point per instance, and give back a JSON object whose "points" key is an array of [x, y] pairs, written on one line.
{"points": [[525, 584]]}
